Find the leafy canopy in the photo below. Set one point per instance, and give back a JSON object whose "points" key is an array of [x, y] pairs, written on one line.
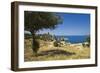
{"points": [[35, 21]]}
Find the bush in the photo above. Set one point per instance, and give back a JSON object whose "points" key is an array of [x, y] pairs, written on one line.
{"points": [[88, 39], [83, 44], [62, 39], [57, 44]]}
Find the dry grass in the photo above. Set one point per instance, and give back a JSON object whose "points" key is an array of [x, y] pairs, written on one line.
{"points": [[48, 52]]}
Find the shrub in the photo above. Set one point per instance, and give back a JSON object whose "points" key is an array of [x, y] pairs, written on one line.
{"points": [[88, 40], [57, 44]]}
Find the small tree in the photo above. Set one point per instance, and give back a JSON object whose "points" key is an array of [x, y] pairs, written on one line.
{"points": [[88, 40], [35, 21], [62, 39]]}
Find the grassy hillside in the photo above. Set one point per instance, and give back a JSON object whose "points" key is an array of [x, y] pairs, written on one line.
{"points": [[48, 51]]}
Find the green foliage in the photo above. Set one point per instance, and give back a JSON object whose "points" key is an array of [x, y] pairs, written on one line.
{"points": [[27, 36], [83, 44], [35, 21], [56, 44], [88, 39], [87, 42], [45, 37], [62, 39]]}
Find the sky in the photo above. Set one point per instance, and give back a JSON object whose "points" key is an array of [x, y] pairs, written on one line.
{"points": [[73, 24]]}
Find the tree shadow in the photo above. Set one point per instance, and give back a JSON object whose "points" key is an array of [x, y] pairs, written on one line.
{"points": [[55, 52]]}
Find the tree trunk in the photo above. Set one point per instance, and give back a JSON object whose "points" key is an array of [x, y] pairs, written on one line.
{"points": [[35, 44]]}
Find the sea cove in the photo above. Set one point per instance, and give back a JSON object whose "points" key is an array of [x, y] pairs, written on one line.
{"points": [[74, 38]]}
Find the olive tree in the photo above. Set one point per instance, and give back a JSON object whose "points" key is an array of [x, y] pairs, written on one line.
{"points": [[36, 21]]}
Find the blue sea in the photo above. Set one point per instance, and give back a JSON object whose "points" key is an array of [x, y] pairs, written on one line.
{"points": [[73, 39]]}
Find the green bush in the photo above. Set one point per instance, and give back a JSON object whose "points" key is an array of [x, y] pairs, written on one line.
{"points": [[56, 44]]}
